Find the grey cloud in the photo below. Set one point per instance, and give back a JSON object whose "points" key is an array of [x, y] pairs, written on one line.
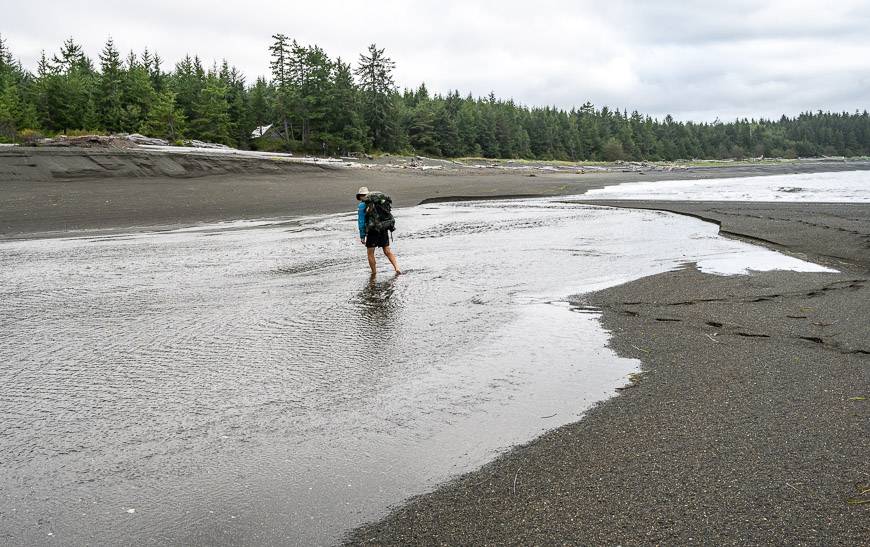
{"points": [[703, 22]]}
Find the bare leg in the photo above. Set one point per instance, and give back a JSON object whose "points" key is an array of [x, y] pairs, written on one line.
{"points": [[371, 256], [392, 258]]}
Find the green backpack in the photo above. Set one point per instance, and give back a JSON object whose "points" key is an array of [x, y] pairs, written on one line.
{"points": [[379, 216]]}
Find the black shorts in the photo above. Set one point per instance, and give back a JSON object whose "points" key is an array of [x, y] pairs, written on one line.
{"points": [[377, 239]]}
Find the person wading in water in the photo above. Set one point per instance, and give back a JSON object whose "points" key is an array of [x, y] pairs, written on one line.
{"points": [[369, 235]]}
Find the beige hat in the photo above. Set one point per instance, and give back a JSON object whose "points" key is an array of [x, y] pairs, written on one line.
{"points": [[363, 190]]}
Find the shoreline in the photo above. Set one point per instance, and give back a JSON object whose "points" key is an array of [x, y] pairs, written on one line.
{"points": [[742, 427], [745, 425], [56, 193], [809, 231]]}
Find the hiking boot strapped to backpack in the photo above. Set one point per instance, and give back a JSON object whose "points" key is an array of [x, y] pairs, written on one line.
{"points": [[379, 216]]}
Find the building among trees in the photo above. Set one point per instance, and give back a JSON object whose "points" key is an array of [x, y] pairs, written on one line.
{"points": [[317, 104]]}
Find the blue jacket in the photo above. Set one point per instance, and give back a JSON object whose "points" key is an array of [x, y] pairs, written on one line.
{"points": [[361, 219]]}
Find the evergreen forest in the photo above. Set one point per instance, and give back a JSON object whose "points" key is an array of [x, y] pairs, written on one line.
{"points": [[322, 105]]}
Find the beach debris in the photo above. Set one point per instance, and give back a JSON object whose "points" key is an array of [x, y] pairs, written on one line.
{"points": [[86, 141], [711, 338], [193, 143], [517, 474], [131, 511], [858, 398], [640, 349], [136, 138], [550, 416], [633, 378], [863, 497], [119, 140]]}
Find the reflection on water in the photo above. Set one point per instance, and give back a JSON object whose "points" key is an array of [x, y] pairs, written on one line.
{"points": [[378, 306], [254, 386]]}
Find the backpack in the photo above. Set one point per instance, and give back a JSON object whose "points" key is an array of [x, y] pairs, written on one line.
{"points": [[379, 216]]}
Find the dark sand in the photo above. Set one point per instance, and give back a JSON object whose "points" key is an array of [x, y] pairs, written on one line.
{"points": [[58, 190], [744, 427]]}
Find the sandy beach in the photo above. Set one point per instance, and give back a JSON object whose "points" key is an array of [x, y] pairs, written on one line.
{"points": [[748, 423], [57, 190]]}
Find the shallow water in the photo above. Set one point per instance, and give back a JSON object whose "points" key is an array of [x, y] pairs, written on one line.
{"points": [[835, 187], [250, 384]]}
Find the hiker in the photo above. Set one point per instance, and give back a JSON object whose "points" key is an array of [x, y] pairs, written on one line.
{"points": [[372, 233]]}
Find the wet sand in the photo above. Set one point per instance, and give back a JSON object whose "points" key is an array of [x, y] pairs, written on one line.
{"points": [[747, 425]]}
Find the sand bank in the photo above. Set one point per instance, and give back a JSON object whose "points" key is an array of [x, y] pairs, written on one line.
{"points": [[60, 190]]}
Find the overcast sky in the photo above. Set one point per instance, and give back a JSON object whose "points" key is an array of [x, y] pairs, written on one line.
{"points": [[694, 59]]}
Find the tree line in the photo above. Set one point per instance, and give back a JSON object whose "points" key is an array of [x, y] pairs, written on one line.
{"points": [[317, 104]]}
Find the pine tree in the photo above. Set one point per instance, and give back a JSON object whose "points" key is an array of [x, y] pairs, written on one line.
{"points": [[8, 99], [446, 126], [347, 132], [376, 81], [238, 108], [110, 102], [421, 129], [165, 120], [68, 87], [212, 123], [138, 94], [187, 82], [158, 78], [8, 112], [70, 58], [467, 122], [17, 99], [280, 65], [312, 82], [486, 134], [260, 101], [6, 60]]}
